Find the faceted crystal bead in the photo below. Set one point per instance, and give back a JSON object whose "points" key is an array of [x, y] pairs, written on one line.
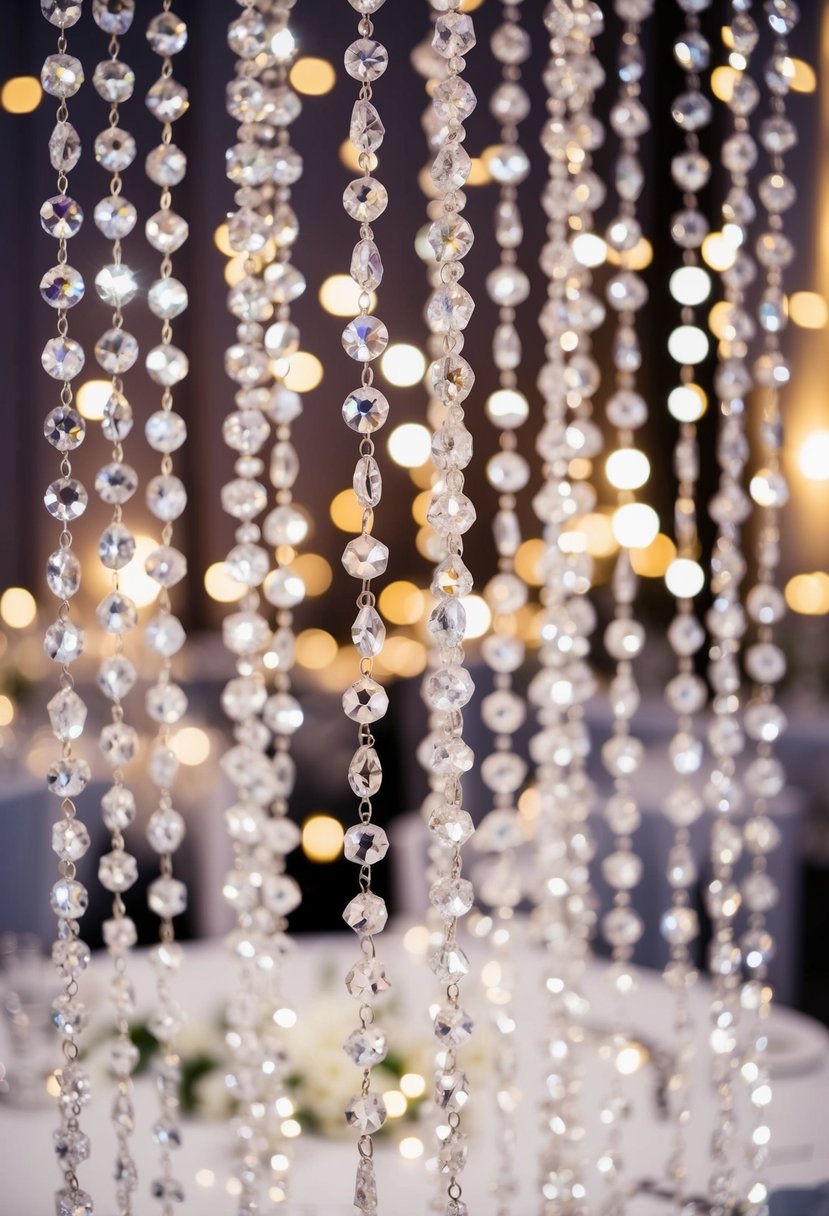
{"points": [[114, 81], [165, 830], [283, 714], [365, 701], [62, 287], [167, 897], [451, 513], [452, 825], [167, 34], [366, 59], [70, 839], [166, 703], [449, 964], [448, 688], [450, 307], [116, 351], [365, 844], [366, 914], [366, 131], [115, 217], [679, 925], [167, 364], [167, 298], [116, 483], [166, 165], [61, 75], [71, 957], [115, 149], [69, 899], [364, 339], [166, 497], [365, 557], [451, 238], [365, 773], [451, 168], [119, 743], [454, 35], [366, 1046], [509, 165], [63, 574], [166, 565], [62, 13], [117, 871], [453, 100], [116, 676], [66, 499], [366, 1113], [63, 642], [61, 217], [116, 285], [64, 147], [167, 100], [622, 927], [367, 979], [67, 715], [365, 410], [166, 231], [365, 199], [165, 634], [367, 482], [452, 379], [62, 358], [452, 578], [453, 1026], [365, 1187], [113, 16], [508, 286], [368, 633], [73, 1202], [447, 623]]}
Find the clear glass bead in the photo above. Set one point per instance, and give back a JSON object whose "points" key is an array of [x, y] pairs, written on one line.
{"points": [[61, 75]]}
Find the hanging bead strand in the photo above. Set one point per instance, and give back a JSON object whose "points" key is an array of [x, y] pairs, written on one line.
{"points": [[498, 882], [624, 638], [365, 558], [167, 365], [66, 499], [116, 286], [686, 694], [263, 166], [448, 687], [568, 379], [765, 661]]}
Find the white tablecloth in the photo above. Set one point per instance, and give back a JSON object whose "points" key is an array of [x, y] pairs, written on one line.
{"points": [[322, 1180]]}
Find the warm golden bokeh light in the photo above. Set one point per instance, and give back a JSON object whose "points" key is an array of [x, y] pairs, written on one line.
{"points": [[339, 296], [479, 174], [410, 445], [221, 239], [402, 656], [653, 561], [401, 603], [6, 710], [134, 580], [192, 745], [804, 77], [315, 649], [322, 838], [597, 531], [808, 594], [403, 365], [17, 607], [220, 585], [478, 616], [345, 511], [91, 398], [313, 77], [304, 373], [687, 402], [315, 572], [718, 252], [235, 269], [528, 559], [350, 157], [723, 80], [420, 506], [637, 258], [808, 309], [21, 94], [718, 316], [813, 456]]}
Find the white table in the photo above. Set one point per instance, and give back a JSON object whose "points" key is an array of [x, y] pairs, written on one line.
{"points": [[322, 1181]]}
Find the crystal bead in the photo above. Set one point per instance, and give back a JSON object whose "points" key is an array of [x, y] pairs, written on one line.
{"points": [[365, 557], [622, 927], [366, 1113], [70, 838], [166, 497], [679, 925], [165, 830], [368, 633], [114, 149], [117, 871], [509, 165], [365, 772], [167, 34], [166, 165], [167, 897], [367, 979], [69, 899], [116, 351], [115, 217], [167, 100], [367, 482], [119, 743], [66, 499], [61, 217], [450, 307], [366, 131], [449, 964], [365, 701], [67, 715], [365, 410], [366, 1046], [167, 298], [365, 844], [64, 147], [451, 238], [166, 565], [507, 286], [165, 431], [63, 642], [366, 914], [116, 483], [452, 825], [447, 623], [63, 574], [365, 199], [166, 703], [62, 358], [454, 35], [165, 231], [71, 957], [62, 13], [116, 285], [71, 1201], [61, 75], [451, 578], [448, 688], [366, 59], [116, 677], [453, 1026], [167, 364], [168, 1190], [365, 1187], [364, 339], [451, 514], [114, 81]]}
